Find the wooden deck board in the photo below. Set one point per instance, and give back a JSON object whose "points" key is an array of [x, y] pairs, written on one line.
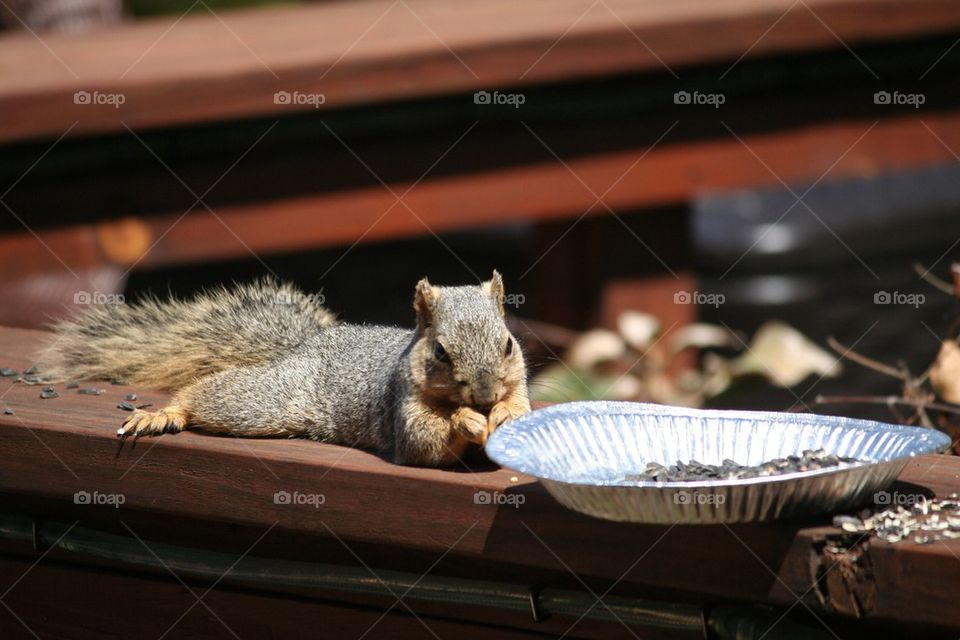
{"points": [[669, 174], [203, 67], [52, 448]]}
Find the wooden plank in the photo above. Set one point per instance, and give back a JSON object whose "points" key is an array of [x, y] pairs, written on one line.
{"points": [[52, 448], [212, 67], [56, 601], [672, 173]]}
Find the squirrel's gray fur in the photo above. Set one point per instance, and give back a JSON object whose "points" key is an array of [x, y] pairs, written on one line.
{"points": [[265, 360]]}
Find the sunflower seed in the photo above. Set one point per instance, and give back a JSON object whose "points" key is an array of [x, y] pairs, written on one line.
{"points": [[7, 373], [126, 406], [849, 524], [73, 385], [90, 392], [31, 370], [131, 397], [48, 393], [8, 411], [730, 470]]}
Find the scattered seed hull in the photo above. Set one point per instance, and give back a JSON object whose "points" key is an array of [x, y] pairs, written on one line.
{"points": [[924, 522]]}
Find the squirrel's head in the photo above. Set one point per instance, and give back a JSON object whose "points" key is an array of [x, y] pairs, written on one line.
{"points": [[464, 354]]}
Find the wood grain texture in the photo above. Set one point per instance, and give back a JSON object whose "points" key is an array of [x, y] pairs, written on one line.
{"points": [[52, 448], [204, 67]]}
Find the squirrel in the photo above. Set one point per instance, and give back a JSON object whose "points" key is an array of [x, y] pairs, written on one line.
{"points": [[266, 360]]}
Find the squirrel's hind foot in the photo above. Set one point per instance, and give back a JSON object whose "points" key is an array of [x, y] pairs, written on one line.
{"points": [[170, 419]]}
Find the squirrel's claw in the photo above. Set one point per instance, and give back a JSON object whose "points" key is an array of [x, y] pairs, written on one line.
{"points": [[143, 423], [131, 426]]}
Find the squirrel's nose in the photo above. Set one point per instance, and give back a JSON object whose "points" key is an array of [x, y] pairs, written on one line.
{"points": [[485, 392]]}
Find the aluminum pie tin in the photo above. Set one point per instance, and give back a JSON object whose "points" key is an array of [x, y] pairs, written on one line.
{"points": [[583, 452]]}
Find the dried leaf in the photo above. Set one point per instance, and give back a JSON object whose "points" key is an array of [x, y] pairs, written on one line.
{"points": [[785, 356], [717, 375], [594, 347], [701, 335], [638, 329], [945, 372]]}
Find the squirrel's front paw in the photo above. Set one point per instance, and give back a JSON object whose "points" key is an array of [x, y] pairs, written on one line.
{"points": [[470, 424], [504, 411]]}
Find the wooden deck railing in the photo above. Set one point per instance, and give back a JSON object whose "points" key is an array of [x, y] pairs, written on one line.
{"points": [[174, 71]]}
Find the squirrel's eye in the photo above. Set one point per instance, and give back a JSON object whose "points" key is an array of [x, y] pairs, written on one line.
{"points": [[440, 353], [509, 348]]}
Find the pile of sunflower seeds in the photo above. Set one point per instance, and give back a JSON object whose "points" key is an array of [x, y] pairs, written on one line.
{"points": [[694, 471], [927, 521]]}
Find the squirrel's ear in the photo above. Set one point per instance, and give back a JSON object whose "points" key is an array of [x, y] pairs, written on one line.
{"points": [[423, 303], [494, 289]]}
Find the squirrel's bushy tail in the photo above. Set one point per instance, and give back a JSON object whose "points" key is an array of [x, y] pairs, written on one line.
{"points": [[168, 344]]}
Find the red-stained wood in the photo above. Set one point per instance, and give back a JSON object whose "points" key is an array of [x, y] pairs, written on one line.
{"points": [[173, 71], [52, 448], [671, 173], [55, 601]]}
